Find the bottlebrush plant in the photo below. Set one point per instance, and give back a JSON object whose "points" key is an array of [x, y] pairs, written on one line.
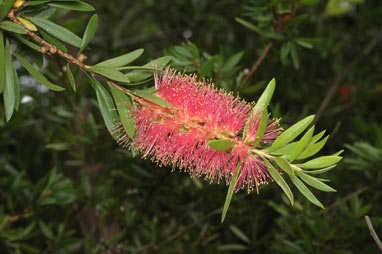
{"points": [[196, 127], [182, 122]]}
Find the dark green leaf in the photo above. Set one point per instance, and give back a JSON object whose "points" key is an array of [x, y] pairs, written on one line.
{"points": [[45, 230], [303, 43], [122, 60], [2, 62], [262, 127], [222, 144], [232, 247], [5, 7], [69, 74], [321, 162], [159, 63], [285, 50], [12, 27], [230, 192], [72, 5], [89, 32], [232, 61], [58, 146], [312, 181], [291, 133], [305, 191], [106, 105], [110, 73], [295, 57], [124, 107], [312, 149], [85, 184], [300, 146], [37, 75], [52, 40], [239, 234], [207, 67], [57, 31], [280, 181], [27, 42], [10, 92], [284, 165], [248, 25]]}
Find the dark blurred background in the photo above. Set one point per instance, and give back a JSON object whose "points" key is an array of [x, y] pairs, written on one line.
{"points": [[100, 198]]}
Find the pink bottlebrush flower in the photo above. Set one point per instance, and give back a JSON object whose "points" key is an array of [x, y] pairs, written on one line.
{"points": [[179, 135]]}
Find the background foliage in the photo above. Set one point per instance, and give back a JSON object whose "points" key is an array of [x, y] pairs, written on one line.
{"points": [[66, 186]]}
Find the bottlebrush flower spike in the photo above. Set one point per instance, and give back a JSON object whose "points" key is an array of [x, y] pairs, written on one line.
{"points": [[201, 115]]}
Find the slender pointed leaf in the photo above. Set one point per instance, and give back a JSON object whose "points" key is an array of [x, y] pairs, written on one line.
{"points": [[300, 146], [106, 105], [338, 153], [280, 181], [159, 63], [232, 61], [52, 40], [72, 5], [110, 73], [27, 42], [230, 192], [317, 137], [89, 32], [312, 181], [12, 27], [239, 234], [285, 150], [46, 230], [285, 50], [152, 97], [6, 6], [37, 75], [291, 133], [312, 149], [284, 165], [295, 57], [70, 77], [222, 144], [27, 24], [319, 171], [321, 162], [262, 127], [57, 31], [17, 88], [124, 107], [2, 62], [305, 191], [122, 60], [10, 85]]}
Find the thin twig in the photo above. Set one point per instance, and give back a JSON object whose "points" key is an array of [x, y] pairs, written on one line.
{"points": [[372, 232]]}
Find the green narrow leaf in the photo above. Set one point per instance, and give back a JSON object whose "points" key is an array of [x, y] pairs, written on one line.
{"points": [[27, 42], [85, 183], [52, 40], [45, 230], [159, 63], [291, 133], [72, 5], [317, 137], [321, 162], [319, 171], [10, 85], [152, 97], [232, 61], [295, 57], [305, 191], [207, 67], [239, 234], [12, 27], [70, 77], [106, 105], [280, 181], [312, 149], [263, 102], [222, 144], [17, 88], [89, 32], [338, 153], [300, 146], [124, 107], [57, 31], [262, 127], [122, 60], [110, 73], [2, 62], [37, 75], [284, 165], [285, 50], [5, 7], [303, 43], [285, 150], [230, 192], [248, 25], [312, 181]]}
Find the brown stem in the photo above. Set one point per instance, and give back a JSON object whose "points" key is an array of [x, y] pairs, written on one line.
{"points": [[372, 232]]}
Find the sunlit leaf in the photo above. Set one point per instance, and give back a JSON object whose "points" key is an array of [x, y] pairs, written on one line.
{"points": [[300, 146], [284, 165], [305, 191], [321, 162], [312, 149], [27, 24], [312, 181], [110, 73], [319, 171], [291, 133], [262, 127]]}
